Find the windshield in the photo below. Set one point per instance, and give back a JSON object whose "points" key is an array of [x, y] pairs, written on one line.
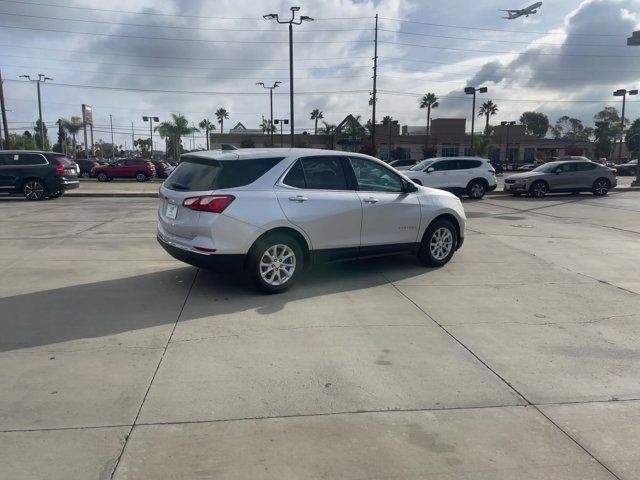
{"points": [[547, 167], [422, 165]]}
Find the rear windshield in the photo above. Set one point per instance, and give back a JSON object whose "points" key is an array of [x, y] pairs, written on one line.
{"points": [[200, 174]]}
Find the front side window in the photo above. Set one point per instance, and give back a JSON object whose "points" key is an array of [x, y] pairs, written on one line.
{"points": [[567, 167], [421, 166], [441, 166], [372, 177]]}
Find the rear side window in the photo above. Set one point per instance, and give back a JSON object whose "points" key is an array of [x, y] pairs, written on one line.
{"points": [[586, 166], [324, 173], [199, 174], [27, 159], [295, 176], [467, 164]]}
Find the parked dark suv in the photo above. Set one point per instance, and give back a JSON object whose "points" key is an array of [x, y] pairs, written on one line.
{"points": [[38, 175], [86, 165], [141, 170]]}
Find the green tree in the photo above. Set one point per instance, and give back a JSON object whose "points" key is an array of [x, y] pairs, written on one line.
{"points": [[22, 142], [144, 144], [607, 129], [487, 109], [38, 141], [73, 126], [535, 123], [207, 126], [222, 115], [429, 101], [316, 115], [632, 138], [267, 126], [174, 130], [387, 119], [482, 146], [61, 145], [571, 128]]}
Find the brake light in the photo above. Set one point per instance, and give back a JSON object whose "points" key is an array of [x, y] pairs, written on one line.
{"points": [[492, 172], [209, 203], [59, 167]]}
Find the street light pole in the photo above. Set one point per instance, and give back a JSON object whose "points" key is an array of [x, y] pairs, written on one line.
{"points": [[41, 79], [291, 22], [623, 93], [151, 119], [506, 149], [275, 85], [472, 91]]}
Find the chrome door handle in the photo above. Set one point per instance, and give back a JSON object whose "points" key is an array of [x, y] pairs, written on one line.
{"points": [[298, 198], [371, 200]]}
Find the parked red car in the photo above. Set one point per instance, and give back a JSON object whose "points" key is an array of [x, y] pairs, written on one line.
{"points": [[141, 170]]}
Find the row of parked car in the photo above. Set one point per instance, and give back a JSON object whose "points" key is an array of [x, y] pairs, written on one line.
{"points": [[139, 169]]}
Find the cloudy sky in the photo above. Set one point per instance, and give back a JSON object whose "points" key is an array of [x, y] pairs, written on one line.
{"points": [[193, 56]]}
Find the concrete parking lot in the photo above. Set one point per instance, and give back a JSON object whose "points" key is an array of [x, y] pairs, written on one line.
{"points": [[518, 360]]}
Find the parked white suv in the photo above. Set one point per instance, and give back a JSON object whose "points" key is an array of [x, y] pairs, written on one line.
{"points": [[273, 212], [472, 176]]}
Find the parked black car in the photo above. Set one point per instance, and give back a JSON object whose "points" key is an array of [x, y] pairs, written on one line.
{"points": [[629, 168], [38, 175], [86, 166], [163, 169]]}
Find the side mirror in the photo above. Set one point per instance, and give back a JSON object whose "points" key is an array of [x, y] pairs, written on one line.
{"points": [[408, 187], [431, 169]]}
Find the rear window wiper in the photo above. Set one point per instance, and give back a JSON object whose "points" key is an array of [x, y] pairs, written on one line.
{"points": [[180, 186]]}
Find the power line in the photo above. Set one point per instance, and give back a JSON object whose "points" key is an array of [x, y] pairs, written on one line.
{"points": [[500, 30], [530, 42], [164, 57], [506, 53], [191, 92], [208, 69], [105, 22], [193, 40], [200, 17], [520, 100]]}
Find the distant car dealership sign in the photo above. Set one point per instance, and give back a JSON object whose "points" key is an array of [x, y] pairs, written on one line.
{"points": [[87, 114]]}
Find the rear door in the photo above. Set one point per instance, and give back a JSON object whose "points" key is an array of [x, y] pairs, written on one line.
{"points": [[390, 217], [116, 169], [565, 177], [316, 196], [586, 174]]}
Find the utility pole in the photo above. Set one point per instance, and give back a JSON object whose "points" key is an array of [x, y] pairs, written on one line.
{"points": [[375, 90], [4, 115], [41, 79], [151, 120], [113, 147], [133, 142], [84, 126], [472, 91], [282, 122]]}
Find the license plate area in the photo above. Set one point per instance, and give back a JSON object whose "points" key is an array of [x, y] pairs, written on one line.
{"points": [[171, 211]]}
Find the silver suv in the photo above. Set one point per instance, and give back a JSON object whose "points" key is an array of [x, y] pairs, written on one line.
{"points": [[273, 212], [563, 176]]}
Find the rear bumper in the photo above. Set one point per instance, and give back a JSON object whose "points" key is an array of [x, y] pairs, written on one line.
{"points": [[212, 261], [70, 184]]}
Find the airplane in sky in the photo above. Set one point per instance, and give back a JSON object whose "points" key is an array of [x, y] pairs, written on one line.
{"points": [[530, 10]]}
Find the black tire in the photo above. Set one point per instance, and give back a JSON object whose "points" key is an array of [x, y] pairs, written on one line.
{"points": [[85, 174], [57, 194], [141, 177], [538, 189], [476, 189], [430, 253], [632, 171], [34, 190], [601, 187], [275, 244], [103, 177]]}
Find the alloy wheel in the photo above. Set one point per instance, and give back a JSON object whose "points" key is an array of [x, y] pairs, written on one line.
{"points": [[441, 243], [477, 190], [539, 189], [277, 265], [601, 187], [34, 190]]}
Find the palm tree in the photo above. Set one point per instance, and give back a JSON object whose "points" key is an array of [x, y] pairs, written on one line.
{"points": [[174, 130], [221, 115], [207, 126], [482, 147], [488, 109], [73, 126], [316, 115], [429, 101], [387, 119]]}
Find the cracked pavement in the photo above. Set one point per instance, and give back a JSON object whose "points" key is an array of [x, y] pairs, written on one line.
{"points": [[519, 359]]}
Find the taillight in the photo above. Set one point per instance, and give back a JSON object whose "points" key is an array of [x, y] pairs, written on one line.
{"points": [[492, 172], [209, 203], [59, 167]]}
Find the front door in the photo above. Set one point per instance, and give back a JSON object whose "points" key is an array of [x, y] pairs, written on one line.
{"points": [[440, 176], [390, 217], [316, 196]]}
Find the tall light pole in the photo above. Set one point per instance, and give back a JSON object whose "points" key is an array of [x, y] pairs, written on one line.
{"points": [[281, 121], [151, 120], [623, 93], [506, 149], [113, 147], [472, 91], [275, 85], [41, 79], [634, 40], [291, 22]]}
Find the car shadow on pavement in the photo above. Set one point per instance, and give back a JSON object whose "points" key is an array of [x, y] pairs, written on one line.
{"points": [[111, 307]]}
